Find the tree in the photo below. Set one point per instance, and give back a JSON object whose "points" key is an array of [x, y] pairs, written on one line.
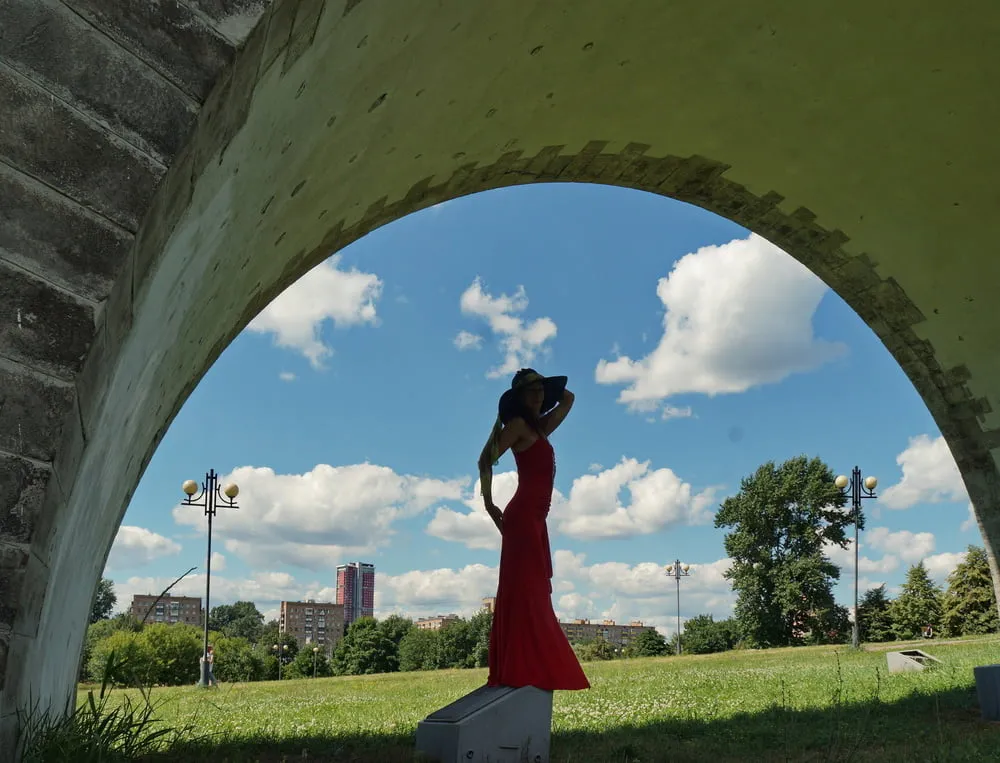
{"points": [[704, 635], [480, 626], [100, 630], [306, 661], [649, 643], [875, 619], [969, 605], [175, 651], [456, 645], [122, 659], [781, 519], [237, 660], [362, 650], [239, 620], [104, 600], [594, 649], [418, 650], [395, 628], [918, 604]]}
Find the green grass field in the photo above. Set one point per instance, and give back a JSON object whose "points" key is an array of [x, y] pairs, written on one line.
{"points": [[805, 704]]}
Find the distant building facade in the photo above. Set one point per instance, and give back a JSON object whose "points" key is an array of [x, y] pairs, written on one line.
{"points": [[616, 635], [169, 609], [435, 623], [490, 603], [356, 590], [312, 623]]}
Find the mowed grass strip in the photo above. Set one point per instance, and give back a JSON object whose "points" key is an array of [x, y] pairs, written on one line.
{"points": [[803, 704]]}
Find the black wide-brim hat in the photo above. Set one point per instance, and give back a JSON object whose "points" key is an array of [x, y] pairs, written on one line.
{"points": [[552, 385]]}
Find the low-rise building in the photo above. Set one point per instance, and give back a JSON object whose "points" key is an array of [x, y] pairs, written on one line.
{"points": [[435, 623], [616, 635], [168, 609]]}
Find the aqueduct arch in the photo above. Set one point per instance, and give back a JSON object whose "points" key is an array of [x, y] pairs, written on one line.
{"points": [[860, 140]]}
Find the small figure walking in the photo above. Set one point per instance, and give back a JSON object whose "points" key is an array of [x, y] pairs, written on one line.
{"points": [[209, 659]]}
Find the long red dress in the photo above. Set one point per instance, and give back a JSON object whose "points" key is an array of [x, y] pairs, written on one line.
{"points": [[527, 646]]}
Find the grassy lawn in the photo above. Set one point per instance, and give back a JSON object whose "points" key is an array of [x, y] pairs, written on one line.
{"points": [[806, 704]]}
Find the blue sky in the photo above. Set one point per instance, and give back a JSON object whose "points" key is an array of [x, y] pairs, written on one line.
{"points": [[353, 409]]}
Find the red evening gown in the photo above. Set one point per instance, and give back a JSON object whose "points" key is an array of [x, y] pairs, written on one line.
{"points": [[527, 646]]}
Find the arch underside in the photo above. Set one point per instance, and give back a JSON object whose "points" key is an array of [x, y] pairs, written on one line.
{"points": [[871, 162]]}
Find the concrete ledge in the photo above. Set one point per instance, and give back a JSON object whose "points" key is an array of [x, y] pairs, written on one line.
{"points": [[988, 690]]}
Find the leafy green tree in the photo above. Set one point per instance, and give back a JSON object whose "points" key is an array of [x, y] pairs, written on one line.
{"points": [[269, 634], [480, 625], [780, 520], [104, 600], [704, 634], [418, 650], [649, 643], [124, 658], [395, 628], [918, 604], [236, 660], [363, 650], [304, 663], [875, 619], [456, 645], [239, 620], [99, 631], [830, 625], [595, 649], [175, 651], [969, 604]]}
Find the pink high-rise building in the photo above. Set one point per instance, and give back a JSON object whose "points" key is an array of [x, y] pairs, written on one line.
{"points": [[356, 590]]}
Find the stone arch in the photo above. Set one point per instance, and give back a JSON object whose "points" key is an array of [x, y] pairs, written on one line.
{"points": [[336, 117]]}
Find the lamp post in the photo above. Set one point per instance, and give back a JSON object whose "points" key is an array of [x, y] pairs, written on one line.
{"points": [[280, 651], [678, 571], [209, 498], [859, 489], [315, 654]]}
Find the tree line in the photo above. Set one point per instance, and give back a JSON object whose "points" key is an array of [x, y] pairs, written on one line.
{"points": [[779, 526]]}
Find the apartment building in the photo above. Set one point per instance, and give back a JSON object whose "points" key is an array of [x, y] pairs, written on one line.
{"points": [[169, 609], [435, 623], [356, 590], [616, 635], [490, 603], [312, 623]]}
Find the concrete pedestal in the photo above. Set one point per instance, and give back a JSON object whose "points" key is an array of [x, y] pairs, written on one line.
{"points": [[910, 659], [988, 689], [489, 725]]}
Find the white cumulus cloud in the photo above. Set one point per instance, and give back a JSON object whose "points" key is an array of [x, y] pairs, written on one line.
{"points": [[520, 341], [466, 340], [137, 546], [295, 318], [657, 498], [329, 512], [908, 546], [930, 475], [737, 316]]}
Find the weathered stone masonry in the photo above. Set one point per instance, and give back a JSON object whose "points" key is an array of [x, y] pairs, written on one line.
{"points": [[98, 100]]}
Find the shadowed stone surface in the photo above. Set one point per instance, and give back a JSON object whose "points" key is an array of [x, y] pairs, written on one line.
{"points": [[337, 117]]}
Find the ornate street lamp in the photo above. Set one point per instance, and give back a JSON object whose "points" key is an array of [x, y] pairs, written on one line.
{"points": [[859, 489], [678, 571], [281, 653], [209, 498]]}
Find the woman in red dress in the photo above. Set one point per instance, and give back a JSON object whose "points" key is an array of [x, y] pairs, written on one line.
{"points": [[527, 645]]}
